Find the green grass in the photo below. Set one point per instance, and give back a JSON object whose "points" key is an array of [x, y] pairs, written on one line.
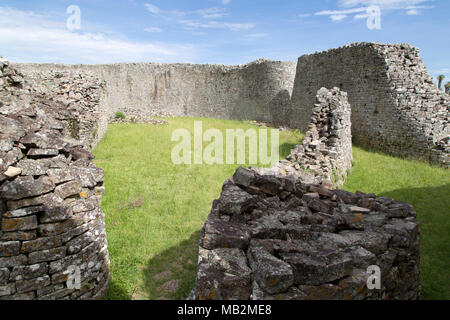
{"points": [[155, 210]]}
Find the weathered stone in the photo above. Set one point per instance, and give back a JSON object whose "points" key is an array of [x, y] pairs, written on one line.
{"points": [[59, 176], [19, 224], [4, 276], [28, 272], [244, 177], [12, 172], [68, 189], [272, 275], [403, 232], [220, 234], [26, 187], [318, 269], [41, 153], [234, 201], [31, 285], [18, 235], [7, 290], [32, 167], [23, 212], [9, 262], [9, 249], [47, 255]]}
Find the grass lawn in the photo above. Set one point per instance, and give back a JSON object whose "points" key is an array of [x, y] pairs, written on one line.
{"points": [[155, 209]]}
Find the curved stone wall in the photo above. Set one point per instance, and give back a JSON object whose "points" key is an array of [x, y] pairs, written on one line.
{"points": [[260, 90], [52, 233], [396, 107]]}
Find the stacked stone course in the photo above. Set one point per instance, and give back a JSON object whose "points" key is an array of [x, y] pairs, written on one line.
{"points": [[50, 194]]}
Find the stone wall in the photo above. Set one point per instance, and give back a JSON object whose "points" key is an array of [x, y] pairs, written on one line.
{"points": [[325, 155], [51, 224], [82, 94], [396, 107], [276, 238], [260, 90]]}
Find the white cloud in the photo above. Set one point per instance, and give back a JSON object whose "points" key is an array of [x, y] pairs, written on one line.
{"points": [[257, 35], [152, 8], [196, 24], [359, 8], [212, 13], [413, 12], [153, 29], [226, 1], [30, 37], [338, 17], [383, 4]]}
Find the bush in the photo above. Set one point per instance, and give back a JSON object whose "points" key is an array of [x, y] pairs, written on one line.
{"points": [[119, 115]]}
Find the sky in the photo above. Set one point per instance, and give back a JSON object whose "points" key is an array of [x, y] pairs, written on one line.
{"points": [[216, 31]]}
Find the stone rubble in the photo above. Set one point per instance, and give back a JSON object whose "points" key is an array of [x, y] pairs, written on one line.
{"points": [[50, 194], [325, 155]]}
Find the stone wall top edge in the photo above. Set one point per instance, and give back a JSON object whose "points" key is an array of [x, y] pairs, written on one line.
{"points": [[156, 64], [374, 45]]}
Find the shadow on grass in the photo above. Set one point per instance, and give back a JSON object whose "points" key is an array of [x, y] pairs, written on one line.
{"points": [[180, 263], [117, 292], [433, 214]]}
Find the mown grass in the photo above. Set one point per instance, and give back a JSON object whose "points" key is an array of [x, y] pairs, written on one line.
{"points": [[155, 210]]}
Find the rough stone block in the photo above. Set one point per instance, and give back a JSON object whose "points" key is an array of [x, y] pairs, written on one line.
{"points": [[272, 275], [19, 224]]}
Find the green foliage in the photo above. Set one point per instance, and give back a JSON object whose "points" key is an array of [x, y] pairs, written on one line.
{"points": [[119, 115], [155, 210]]}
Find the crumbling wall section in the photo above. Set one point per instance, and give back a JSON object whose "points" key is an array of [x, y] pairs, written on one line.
{"points": [[325, 155]]}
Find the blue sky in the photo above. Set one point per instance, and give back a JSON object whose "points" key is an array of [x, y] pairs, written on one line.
{"points": [[216, 31]]}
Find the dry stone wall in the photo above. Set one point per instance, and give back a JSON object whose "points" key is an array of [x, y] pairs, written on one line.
{"points": [[51, 224], [276, 238], [396, 107], [260, 90], [81, 92], [325, 155]]}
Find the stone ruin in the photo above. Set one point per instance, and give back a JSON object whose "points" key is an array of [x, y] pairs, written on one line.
{"points": [[276, 237], [325, 155], [279, 233], [51, 224]]}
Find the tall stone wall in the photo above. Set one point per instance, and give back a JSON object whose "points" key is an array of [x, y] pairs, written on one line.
{"points": [[396, 107], [258, 91], [52, 233]]}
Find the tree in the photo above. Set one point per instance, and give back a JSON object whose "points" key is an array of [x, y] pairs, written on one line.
{"points": [[440, 78], [447, 87]]}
